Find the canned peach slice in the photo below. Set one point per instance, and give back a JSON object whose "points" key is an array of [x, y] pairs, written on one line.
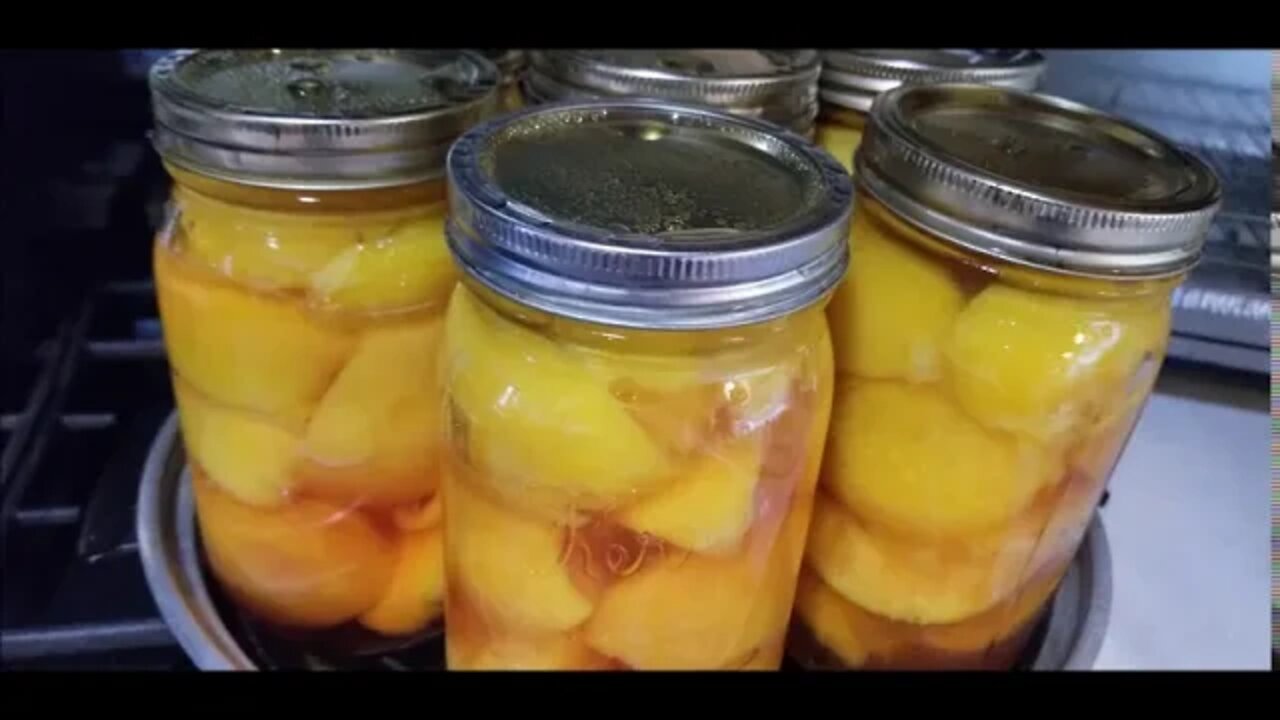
{"points": [[422, 515], [671, 398], [245, 349], [389, 269], [245, 454], [756, 398], [534, 419], [915, 582], [905, 456], [1038, 364], [416, 591], [509, 566], [259, 248], [891, 317], [1003, 620], [374, 437], [840, 627], [507, 651], [710, 505], [691, 611], [305, 564]]}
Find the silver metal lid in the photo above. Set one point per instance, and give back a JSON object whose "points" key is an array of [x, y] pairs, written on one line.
{"points": [[644, 213], [776, 85], [318, 119], [854, 78], [1037, 180]]}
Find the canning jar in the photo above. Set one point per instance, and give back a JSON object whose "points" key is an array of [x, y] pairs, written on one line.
{"points": [[638, 377], [511, 64], [302, 277], [851, 80], [1002, 325], [780, 86]]}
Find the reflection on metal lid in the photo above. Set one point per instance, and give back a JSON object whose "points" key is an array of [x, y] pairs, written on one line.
{"points": [[1038, 179], [776, 85], [318, 118], [853, 78], [648, 214]]}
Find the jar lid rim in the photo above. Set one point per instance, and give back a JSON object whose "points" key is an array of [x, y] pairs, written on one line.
{"points": [[682, 256], [1038, 179], [318, 119]]}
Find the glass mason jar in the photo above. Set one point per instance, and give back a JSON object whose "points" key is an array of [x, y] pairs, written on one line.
{"points": [[780, 86], [511, 65], [302, 278], [1004, 320], [638, 378], [851, 80]]}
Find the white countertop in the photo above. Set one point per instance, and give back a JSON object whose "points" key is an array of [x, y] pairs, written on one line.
{"points": [[1189, 523]]}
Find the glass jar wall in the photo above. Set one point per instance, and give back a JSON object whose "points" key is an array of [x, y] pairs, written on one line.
{"points": [[851, 80], [302, 289], [989, 370], [638, 385]]}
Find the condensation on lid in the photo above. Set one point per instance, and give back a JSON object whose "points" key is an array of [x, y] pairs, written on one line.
{"points": [[318, 117], [646, 213], [712, 63], [777, 85], [327, 84], [643, 176], [1038, 179]]}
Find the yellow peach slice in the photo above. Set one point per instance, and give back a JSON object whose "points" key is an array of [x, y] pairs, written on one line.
{"points": [[243, 349], [710, 506], [689, 612], [765, 658], [905, 456], [422, 515], [408, 267], [671, 398], [415, 595], [837, 625], [375, 436], [510, 567], [306, 564], [540, 430], [911, 581], [245, 454], [506, 651], [1000, 622], [1038, 364], [891, 316], [760, 396], [274, 251]]}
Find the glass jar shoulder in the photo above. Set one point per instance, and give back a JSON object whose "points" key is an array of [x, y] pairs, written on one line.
{"points": [[357, 255]]}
